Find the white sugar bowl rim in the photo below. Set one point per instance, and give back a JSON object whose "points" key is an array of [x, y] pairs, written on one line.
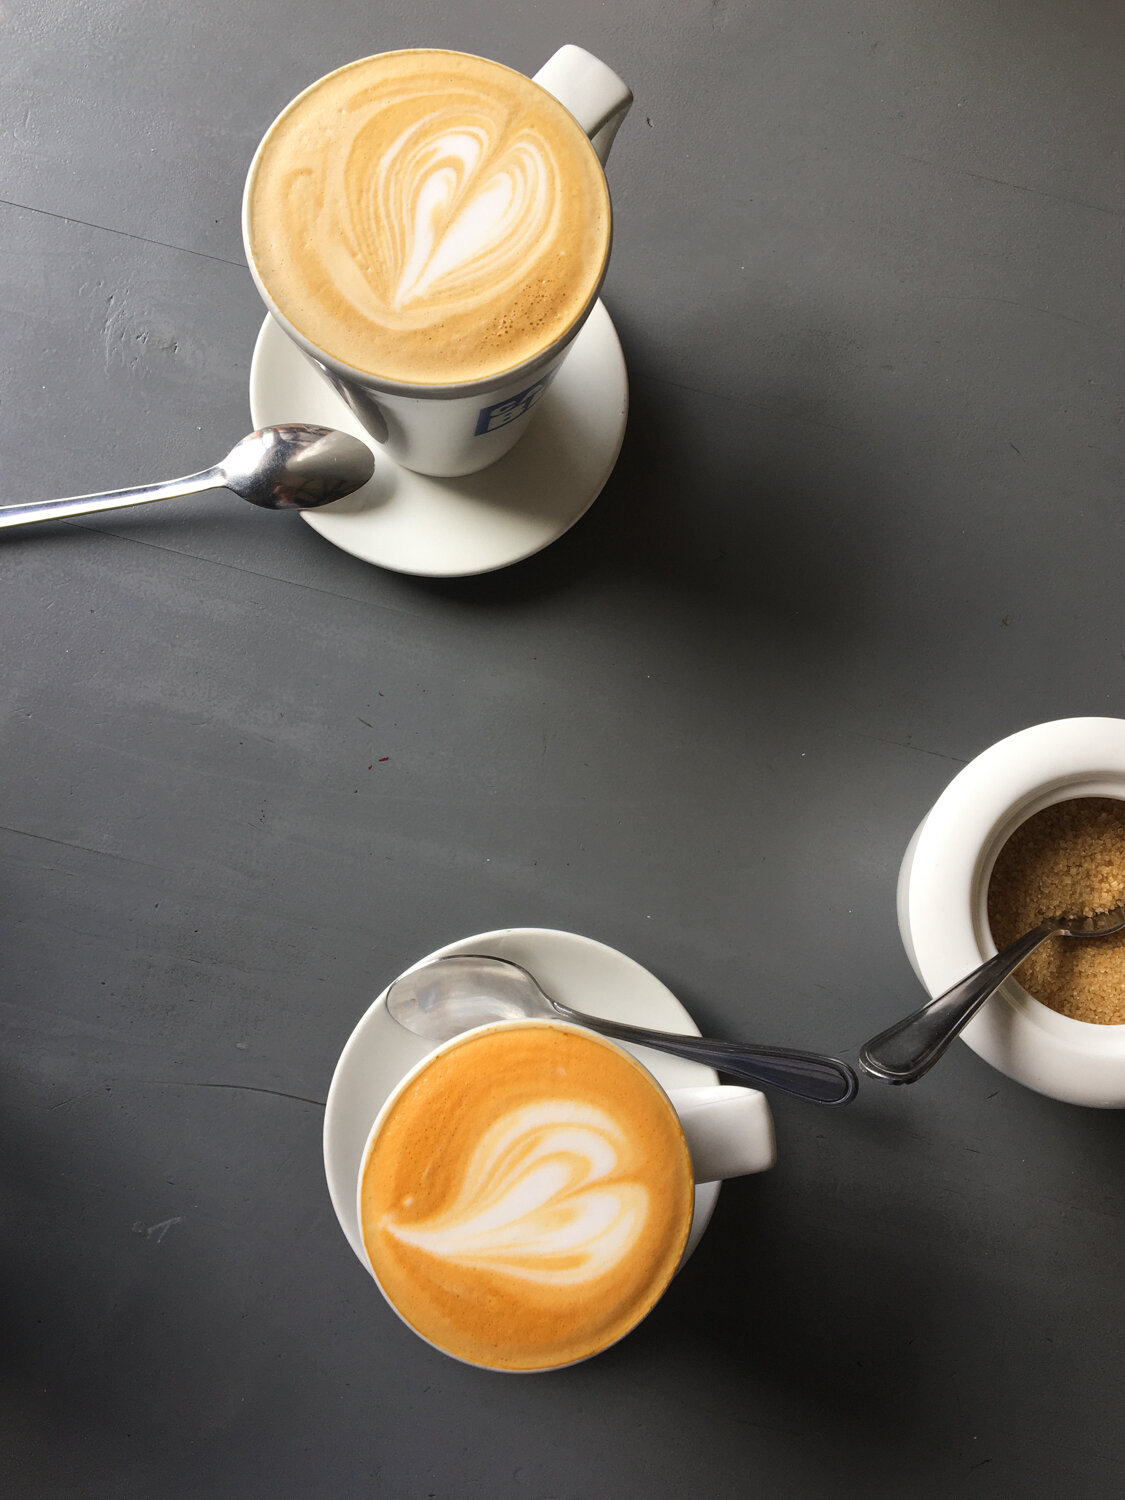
{"points": [[942, 895]]}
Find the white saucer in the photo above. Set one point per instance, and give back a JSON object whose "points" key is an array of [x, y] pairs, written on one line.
{"points": [[447, 528], [578, 972]]}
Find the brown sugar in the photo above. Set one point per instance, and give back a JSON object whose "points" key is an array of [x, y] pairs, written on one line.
{"points": [[1068, 860]]}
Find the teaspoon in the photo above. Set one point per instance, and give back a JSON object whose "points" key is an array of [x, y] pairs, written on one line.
{"points": [[450, 995], [909, 1048], [292, 467]]}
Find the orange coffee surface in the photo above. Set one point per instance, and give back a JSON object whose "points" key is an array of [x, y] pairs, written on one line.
{"points": [[528, 1198], [428, 217]]}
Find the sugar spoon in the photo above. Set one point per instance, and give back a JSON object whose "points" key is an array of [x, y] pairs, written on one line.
{"points": [[447, 996], [909, 1048], [292, 467]]}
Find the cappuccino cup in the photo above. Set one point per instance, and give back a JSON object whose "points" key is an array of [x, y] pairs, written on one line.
{"points": [[432, 229], [525, 1194]]}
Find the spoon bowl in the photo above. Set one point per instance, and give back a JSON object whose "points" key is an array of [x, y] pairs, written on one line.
{"points": [[441, 999], [297, 467]]}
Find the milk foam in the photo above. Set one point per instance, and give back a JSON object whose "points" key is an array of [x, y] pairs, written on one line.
{"points": [[542, 1198], [471, 209], [428, 217]]}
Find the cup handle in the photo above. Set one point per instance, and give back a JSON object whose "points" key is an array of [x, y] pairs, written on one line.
{"points": [[593, 93], [729, 1130]]}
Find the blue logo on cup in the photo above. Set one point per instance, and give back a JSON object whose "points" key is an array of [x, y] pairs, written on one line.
{"points": [[490, 418]]}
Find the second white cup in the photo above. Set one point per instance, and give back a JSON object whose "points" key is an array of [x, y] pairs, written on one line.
{"points": [[444, 427]]}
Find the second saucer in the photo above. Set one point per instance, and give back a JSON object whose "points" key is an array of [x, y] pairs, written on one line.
{"points": [[448, 528]]}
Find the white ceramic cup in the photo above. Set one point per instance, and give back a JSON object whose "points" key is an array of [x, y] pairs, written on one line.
{"points": [[729, 1129], [943, 896], [447, 430]]}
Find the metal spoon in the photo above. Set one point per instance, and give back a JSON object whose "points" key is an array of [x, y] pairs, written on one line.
{"points": [[450, 995], [906, 1050], [293, 467]]}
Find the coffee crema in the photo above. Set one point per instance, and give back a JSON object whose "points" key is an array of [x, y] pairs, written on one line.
{"points": [[428, 217], [527, 1198]]}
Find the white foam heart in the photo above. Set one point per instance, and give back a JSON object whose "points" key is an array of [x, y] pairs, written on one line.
{"points": [[454, 214], [544, 1197]]}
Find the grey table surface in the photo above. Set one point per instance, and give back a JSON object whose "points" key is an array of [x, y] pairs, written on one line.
{"points": [[868, 519]]}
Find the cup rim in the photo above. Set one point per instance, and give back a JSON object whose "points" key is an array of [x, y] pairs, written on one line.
{"points": [[385, 385], [944, 917], [448, 1046]]}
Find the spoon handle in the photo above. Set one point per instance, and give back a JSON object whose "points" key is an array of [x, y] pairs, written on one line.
{"points": [[84, 505], [823, 1080], [909, 1048]]}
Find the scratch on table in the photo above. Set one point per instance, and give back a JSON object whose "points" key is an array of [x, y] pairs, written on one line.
{"points": [[72, 1098], [143, 239], [82, 848], [921, 749], [158, 1231], [1034, 307], [247, 1088], [1016, 187]]}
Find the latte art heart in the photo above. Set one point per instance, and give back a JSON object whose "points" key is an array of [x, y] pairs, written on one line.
{"points": [[451, 216], [428, 217], [543, 1198]]}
